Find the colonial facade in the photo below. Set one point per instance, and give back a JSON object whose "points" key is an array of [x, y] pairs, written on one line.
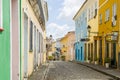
{"points": [[109, 28], [70, 44], [49, 41], [67, 46], [80, 32], [103, 38], [64, 47], [33, 19], [91, 46], [10, 40]]}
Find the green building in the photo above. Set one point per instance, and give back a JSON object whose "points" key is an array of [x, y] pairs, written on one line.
{"points": [[9, 40]]}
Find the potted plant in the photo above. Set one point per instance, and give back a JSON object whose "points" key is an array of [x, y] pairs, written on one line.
{"points": [[107, 62], [88, 59], [63, 57], [96, 61], [50, 58]]}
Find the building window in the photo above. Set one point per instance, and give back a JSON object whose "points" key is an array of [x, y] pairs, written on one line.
{"points": [[39, 42], [95, 10], [89, 15], [0, 13], [92, 12], [107, 15], [42, 43], [107, 50], [100, 19], [114, 8], [31, 36], [114, 14]]}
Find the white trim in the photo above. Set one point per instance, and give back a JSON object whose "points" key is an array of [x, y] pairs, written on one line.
{"points": [[103, 4], [1, 24], [11, 40], [19, 34]]}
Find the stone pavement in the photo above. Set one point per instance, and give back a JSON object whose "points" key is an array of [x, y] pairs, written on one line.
{"points": [[108, 71], [61, 70], [41, 73]]}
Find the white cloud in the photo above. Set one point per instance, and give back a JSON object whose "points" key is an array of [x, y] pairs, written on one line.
{"points": [[69, 9], [58, 31]]}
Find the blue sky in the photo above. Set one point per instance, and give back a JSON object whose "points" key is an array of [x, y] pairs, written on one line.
{"points": [[61, 13]]}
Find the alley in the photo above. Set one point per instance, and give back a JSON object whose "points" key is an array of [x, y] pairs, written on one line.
{"points": [[60, 70]]}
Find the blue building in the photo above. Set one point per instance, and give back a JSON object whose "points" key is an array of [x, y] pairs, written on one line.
{"points": [[81, 32]]}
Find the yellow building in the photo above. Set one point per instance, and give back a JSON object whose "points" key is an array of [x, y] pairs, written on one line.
{"points": [[70, 44], [109, 27], [33, 35], [67, 45], [63, 43], [54, 47], [91, 46]]}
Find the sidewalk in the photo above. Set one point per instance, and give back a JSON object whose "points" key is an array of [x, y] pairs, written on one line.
{"points": [[40, 74], [110, 72]]}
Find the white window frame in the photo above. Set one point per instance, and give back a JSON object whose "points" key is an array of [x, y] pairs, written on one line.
{"points": [[114, 13], [92, 11], [100, 19], [107, 14], [1, 14], [89, 14], [95, 8], [114, 9]]}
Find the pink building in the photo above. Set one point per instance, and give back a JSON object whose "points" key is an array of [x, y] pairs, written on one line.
{"points": [[70, 44]]}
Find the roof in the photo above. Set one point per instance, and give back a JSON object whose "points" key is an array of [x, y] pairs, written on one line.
{"points": [[80, 9], [67, 34]]}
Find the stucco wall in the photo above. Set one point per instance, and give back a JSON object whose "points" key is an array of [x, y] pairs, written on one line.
{"points": [[5, 43], [15, 39], [26, 8]]}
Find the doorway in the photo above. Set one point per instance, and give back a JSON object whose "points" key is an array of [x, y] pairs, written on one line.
{"points": [[78, 55], [85, 52], [95, 49], [119, 60], [113, 61], [100, 52], [35, 52], [81, 53], [88, 51], [91, 51], [25, 45]]}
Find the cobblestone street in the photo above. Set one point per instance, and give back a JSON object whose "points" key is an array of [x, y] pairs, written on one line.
{"points": [[60, 70]]}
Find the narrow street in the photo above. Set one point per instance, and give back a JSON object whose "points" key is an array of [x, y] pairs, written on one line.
{"points": [[59, 70]]}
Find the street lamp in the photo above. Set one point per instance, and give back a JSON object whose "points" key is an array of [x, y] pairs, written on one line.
{"points": [[89, 30]]}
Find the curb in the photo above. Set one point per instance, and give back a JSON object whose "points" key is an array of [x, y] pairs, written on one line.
{"points": [[113, 76]]}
